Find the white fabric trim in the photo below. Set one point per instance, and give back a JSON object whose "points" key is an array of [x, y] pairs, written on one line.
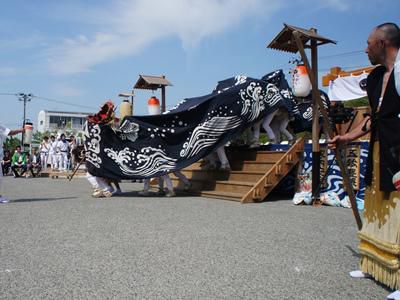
{"points": [[4, 131], [346, 88], [397, 73]]}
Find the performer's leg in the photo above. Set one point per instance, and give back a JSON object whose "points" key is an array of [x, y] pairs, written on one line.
{"points": [[182, 177], [283, 129], [223, 159], [146, 185], [117, 190], [266, 125], [92, 180], [146, 188], [210, 162], [170, 187], [256, 135], [104, 189]]}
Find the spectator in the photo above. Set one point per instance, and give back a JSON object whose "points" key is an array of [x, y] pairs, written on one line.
{"points": [[44, 152], [62, 151], [6, 162], [18, 162], [73, 146], [53, 153], [35, 165]]}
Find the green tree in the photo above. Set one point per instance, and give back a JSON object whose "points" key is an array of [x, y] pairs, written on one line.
{"points": [[37, 136], [11, 143]]}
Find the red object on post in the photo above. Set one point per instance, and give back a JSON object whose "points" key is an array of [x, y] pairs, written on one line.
{"points": [[153, 106]]}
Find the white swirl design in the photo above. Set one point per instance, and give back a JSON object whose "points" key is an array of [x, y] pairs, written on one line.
{"points": [[147, 163], [208, 133], [92, 144]]}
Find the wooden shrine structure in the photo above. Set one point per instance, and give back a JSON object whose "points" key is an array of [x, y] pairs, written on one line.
{"points": [[294, 39], [148, 82]]}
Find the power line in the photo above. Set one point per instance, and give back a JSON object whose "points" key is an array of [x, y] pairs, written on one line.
{"points": [[50, 100], [344, 54], [64, 102]]}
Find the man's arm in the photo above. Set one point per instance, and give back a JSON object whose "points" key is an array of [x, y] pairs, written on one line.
{"points": [[14, 159], [16, 131], [361, 129]]}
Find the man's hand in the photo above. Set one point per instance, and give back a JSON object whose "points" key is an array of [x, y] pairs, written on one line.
{"points": [[337, 141]]}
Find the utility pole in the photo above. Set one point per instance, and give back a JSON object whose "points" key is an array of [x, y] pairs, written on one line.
{"points": [[25, 98]]}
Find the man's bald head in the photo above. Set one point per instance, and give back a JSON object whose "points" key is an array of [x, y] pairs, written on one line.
{"points": [[390, 33]]}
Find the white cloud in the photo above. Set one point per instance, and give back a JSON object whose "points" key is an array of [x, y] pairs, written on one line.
{"points": [[127, 27], [135, 24], [8, 72], [66, 90]]}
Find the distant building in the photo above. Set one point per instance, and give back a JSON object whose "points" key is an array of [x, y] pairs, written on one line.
{"points": [[55, 121]]}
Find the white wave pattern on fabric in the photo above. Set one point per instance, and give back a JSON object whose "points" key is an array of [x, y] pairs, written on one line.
{"points": [[255, 99], [93, 147], [347, 88], [208, 133], [150, 161]]}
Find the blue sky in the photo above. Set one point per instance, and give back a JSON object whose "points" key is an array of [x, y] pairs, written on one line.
{"points": [[84, 52]]}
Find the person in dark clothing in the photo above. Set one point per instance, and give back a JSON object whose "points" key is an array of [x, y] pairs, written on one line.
{"points": [[380, 235], [6, 162], [35, 165]]}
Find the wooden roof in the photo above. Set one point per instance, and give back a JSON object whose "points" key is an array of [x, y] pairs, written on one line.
{"points": [[284, 41], [148, 82]]}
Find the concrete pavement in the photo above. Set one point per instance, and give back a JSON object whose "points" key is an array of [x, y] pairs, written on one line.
{"points": [[56, 242]]}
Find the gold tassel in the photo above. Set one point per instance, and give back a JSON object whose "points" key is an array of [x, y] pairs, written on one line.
{"points": [[389, 277]]}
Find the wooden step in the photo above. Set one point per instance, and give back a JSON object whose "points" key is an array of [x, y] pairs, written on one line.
{"points": [[249, 176], [228, 186], [251, 154], [250, 165], [218, 195], [246, 165]]}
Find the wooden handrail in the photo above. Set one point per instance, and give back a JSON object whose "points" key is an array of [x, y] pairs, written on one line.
{"points": [[271, 179]]}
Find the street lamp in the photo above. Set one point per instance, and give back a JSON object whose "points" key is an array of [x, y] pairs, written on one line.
{"points": [[25, 98]]}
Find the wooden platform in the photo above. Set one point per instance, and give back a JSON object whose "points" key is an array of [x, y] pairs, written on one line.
{"points": [[254, 174], [58, 174]]}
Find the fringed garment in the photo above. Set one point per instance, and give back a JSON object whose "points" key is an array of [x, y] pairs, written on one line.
{"points": [[380, 235]]}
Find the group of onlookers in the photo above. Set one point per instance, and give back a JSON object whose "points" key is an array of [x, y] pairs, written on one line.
{"points": [[21, 163], [58, 154]]}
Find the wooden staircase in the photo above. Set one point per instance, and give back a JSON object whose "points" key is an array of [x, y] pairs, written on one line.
{"points": [[253, 176]]}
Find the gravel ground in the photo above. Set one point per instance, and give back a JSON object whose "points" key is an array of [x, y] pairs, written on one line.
{"points": [[56, 242]]}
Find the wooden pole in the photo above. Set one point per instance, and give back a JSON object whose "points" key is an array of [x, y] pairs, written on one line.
{"points": [[163, 108], [328, 130], [163, 99], [316, 153]]}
